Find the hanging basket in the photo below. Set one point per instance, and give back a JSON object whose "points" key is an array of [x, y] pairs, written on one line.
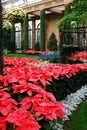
{"points": [[15, 14]]}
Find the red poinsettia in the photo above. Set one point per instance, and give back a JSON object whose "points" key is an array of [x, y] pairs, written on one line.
{"points": [[35, 52], [23, 120], [3, 123], [7, 104], [23, 77], [79, 56]]}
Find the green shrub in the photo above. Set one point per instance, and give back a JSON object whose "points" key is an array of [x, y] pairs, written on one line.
{"points": [[37, 46], [63, 86], [52, 43], [52, 59], [12, 47], [67, 50], [6, 38]]}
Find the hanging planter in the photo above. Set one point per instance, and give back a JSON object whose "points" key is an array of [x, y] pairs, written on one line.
{"points": [[15, 14]]}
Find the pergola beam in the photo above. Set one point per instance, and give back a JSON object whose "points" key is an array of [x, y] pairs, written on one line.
{"points": [[54, 10]]}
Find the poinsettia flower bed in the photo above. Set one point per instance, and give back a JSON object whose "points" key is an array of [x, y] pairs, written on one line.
{"points": [[15, 61], [79, 56], [23, 99], [33, 52]]}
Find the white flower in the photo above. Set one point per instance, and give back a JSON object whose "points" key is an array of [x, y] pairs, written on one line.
{"points": [[71, 102]]}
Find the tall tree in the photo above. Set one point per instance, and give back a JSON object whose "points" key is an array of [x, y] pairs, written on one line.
{"points": [[1, 46]]}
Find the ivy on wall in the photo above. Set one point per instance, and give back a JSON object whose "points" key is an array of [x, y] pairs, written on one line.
{"points": [[42, 30], [78, 13], [12, 42], [26, 32]]}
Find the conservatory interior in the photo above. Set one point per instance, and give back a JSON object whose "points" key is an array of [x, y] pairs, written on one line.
{"points": [[43, 65]]}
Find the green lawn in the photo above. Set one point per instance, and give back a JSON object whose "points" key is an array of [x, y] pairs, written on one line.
{"points": [[21, 55], [78, 120]]}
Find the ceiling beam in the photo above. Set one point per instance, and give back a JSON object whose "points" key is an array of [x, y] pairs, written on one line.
{"points": [[54, 10], [37, 13]]}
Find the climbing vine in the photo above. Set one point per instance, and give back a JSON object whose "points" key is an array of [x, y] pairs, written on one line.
{"points": [[42, 30], [26, 32]]}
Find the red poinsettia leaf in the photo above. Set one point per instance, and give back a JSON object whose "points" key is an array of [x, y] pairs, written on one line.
{"points": [[29, 92]]}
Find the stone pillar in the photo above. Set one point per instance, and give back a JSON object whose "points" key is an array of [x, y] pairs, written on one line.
{"points": [[33, 34]]}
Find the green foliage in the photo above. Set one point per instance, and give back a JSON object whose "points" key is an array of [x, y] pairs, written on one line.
{"points": [[6, 38], [37, 46], [82, 20], [78, 13], [67, 50], [80, 6], [66, 20], [21, 55], [52, 59], [26, 32], [78, 16], [12, 44], [12, 47], [42, 30], [7, 25], [14, 14], [52, 43], [45, 125], [67, 9], [10, 128], [63, 86]]}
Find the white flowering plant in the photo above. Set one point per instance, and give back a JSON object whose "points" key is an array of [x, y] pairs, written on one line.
{"points": [[15, 14], [7, 24]]}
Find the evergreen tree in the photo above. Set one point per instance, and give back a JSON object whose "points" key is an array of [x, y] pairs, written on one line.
{"points": [[1, 47], [52, 43]]}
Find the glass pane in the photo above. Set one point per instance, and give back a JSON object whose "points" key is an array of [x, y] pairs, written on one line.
{"points": [[18, 39], [18, 35], [30, 35]]}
